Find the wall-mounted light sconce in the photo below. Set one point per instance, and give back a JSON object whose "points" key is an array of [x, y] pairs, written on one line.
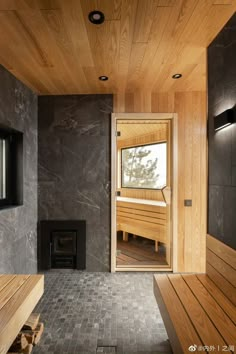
{"points": [[224, 119]]}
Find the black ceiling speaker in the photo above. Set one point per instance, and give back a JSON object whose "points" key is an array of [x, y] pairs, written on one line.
{"points": [[224, 119]]}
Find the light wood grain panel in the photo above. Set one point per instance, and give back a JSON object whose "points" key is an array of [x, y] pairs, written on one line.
{"points": [[5, 280], [159, 26], [180, 329], [143, 21], [176, 22], [191, 111], [202, 323], [132, 135], [192, 181], [57, 27], [198, 173], [136, 59], [111, 9], [77, 31], [222, 267], [18, 308], [151, 208], [122, 209], [153, 220], [227, 305], [28, 4], [11, 288], [220, 319], [163, 102], [222, 2], [139, 46], [12, 26], [226, 287], [142, 194], [165, 3], [157, 233], [221, 250], [127, 23]]}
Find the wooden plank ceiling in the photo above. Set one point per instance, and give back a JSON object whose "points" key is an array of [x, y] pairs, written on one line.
{"points": [[133, 129], [52, 47]]}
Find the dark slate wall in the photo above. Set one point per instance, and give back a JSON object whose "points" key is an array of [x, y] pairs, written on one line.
{"points": [[74, 167], [18, 238], [222, 144]]}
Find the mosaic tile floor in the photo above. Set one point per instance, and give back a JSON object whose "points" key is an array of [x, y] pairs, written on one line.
{"points": [[100, 313]]}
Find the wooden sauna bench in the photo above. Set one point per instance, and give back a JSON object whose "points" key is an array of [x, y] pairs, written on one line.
{"points": [[200, 309], [19, 294], [141, 217]]}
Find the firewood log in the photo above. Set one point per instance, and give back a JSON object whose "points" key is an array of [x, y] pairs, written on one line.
{"points": [[32, 321]]}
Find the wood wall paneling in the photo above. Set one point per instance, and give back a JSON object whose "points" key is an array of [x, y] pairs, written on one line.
{"points": [[191, 110]]}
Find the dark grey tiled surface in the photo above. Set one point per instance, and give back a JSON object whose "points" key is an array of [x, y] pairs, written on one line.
{"points": [[74, 167], [83, 311], [222, 144], [18, 238]]}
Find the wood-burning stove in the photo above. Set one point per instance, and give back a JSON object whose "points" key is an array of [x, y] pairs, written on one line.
{"points": [[62, 244], [63, 249]]}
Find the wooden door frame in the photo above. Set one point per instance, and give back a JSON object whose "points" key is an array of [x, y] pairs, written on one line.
{"points": [[144, 116]]}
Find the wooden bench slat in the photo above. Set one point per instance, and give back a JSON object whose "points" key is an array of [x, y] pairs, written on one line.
{"points": [[180, 330], [5, 280], [200, 320], [11, 288], [159, 209], [209, 300], [145, 220], [223, 251], [227, 288], [142, 212], [16, 311], [223, 268], [142, 224], [216, 314], [133, 217], [216, 293], [156, 235]]}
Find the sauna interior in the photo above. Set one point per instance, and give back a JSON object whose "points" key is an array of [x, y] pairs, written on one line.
{"points": [[143, 202], [117, 176]]}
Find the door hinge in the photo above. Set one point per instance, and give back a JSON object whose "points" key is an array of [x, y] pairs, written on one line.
{"points": [[118, 133], [117, 193]]}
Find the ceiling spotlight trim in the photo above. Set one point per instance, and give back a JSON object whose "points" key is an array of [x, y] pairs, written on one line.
{"points": [[96, 17], [176, 76], [103, 78]]}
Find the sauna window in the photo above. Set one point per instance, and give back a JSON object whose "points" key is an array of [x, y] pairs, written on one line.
{"points": [[11, 168], [3, 156], [144, 166]]}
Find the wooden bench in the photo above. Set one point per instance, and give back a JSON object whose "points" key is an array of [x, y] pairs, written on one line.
{"points": [[142, 218], [19, 294], [199, 309]]}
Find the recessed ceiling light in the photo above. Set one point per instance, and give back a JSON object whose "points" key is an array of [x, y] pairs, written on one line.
{"points": [[176, 76], [103, 78], [96, 17]]}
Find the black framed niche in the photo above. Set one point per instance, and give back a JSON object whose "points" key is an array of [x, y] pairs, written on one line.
{"points": [[11, 168], [62, 244]]}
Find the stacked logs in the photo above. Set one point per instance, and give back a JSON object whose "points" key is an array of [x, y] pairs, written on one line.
{"points": [[29, 336]]}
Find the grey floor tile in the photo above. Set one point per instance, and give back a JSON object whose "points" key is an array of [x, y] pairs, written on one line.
{"points": [[83, 311]]}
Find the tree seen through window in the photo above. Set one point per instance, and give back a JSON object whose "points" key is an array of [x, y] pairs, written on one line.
{"points": [[144, 166]]}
